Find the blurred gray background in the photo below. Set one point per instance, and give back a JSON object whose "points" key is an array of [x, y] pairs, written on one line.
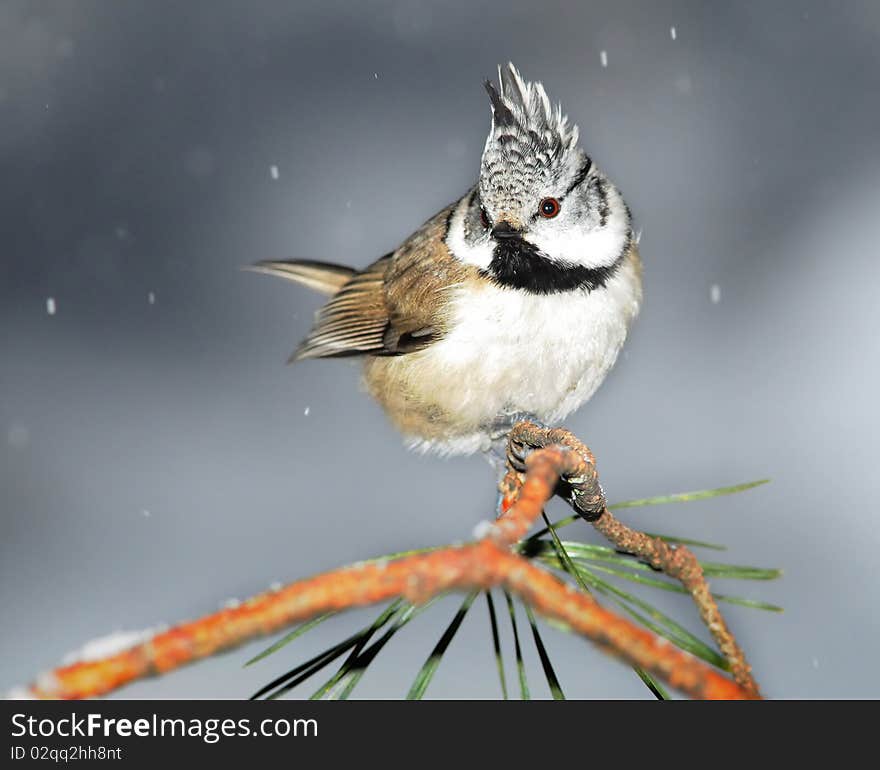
{"points": [[157, 457]]}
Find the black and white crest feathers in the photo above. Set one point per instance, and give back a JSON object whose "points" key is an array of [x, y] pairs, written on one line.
{"points": [[531, 144], [522, 115]]}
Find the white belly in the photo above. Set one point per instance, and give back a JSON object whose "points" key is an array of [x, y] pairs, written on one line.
{"points": [[508, 351]]}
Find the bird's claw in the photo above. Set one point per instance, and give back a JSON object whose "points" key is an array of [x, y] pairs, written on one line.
{"points": [[517, 452]]}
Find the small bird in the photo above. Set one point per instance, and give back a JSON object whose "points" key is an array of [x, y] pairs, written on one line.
{"points": [[512, 302]]}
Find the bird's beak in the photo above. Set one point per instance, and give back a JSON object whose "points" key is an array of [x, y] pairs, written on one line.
{"points": [[506, 230]]}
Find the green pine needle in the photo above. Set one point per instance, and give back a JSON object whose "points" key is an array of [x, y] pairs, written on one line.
{"points": [[552, 681], [427, 671], [349, 678], [580, 552], [676, 588], [657, 621], [365, 637], [752, 603], [352, 671], [567, 564], [734, 571], [675, 540], [496, 643], [288, 638], [687, 497], [295, 676], [520, 666], [563, 556], [657, 689], [304, 671]]}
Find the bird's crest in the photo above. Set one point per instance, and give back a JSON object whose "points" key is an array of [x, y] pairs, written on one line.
{"points": [[530, 143]]}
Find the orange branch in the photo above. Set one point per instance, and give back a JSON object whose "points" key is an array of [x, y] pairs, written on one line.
{"points": [[481, 565]]}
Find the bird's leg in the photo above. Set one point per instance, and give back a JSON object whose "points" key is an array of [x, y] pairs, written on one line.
{"points": [[502, 457], [496, 455]]}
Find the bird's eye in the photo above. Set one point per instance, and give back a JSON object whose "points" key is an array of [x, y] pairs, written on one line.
{"points": [[484, 218], [549, 208]]}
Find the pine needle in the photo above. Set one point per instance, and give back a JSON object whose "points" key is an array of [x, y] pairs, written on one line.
{"points": [[675, 540], [657, 621], [427, 671], [552, 681], [368, 632], [520, 666], [687, 497], [496, 643], [567, 564], [297, 675], [676, 588], [347, 678], [288, 638]]}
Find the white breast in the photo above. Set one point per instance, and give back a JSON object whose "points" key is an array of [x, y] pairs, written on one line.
{"points": [[510, 351]]}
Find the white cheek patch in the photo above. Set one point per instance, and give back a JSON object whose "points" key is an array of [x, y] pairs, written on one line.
{"points": [[478, 253], [590, 248], [600, 248]]}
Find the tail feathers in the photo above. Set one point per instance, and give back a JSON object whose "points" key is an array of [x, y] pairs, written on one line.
{"points": [[324, 277]]}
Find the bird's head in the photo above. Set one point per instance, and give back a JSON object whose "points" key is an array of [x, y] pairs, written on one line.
{"points": [[542, 216]]}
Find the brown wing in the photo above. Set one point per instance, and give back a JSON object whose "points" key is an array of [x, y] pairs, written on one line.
{"points": [[354, 321], [395, 306]]}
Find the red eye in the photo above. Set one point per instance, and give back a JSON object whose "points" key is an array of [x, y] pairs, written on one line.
{"points": [[484, 218], [549, 208]]}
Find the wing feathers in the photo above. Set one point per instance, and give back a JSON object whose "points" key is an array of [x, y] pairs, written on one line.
{"points": [[354, 321], [392, 307]]}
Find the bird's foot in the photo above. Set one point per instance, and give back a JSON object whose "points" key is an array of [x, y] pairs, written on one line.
{"points": [[525, 435], [582, 491], [513, 453]]}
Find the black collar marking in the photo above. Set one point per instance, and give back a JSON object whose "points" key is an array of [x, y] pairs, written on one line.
{"points": [[518, 264]]}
